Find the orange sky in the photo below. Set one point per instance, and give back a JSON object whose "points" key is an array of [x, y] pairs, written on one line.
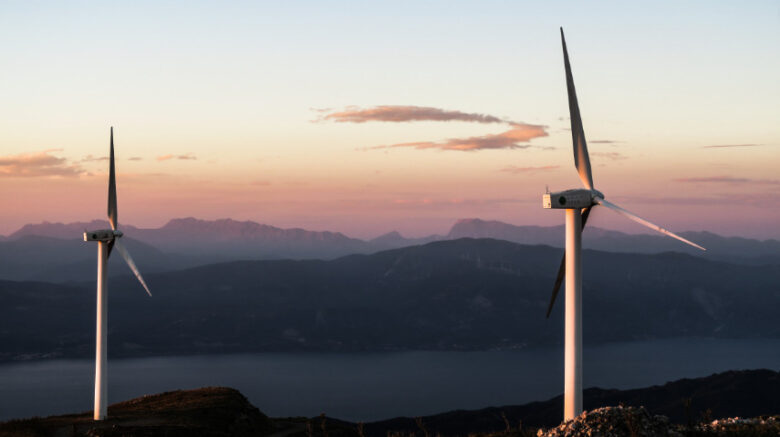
{"points": [[371, 118]]}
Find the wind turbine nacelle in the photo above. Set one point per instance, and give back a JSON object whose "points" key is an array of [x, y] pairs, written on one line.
{"points": [[569, 199], [101, 235]]}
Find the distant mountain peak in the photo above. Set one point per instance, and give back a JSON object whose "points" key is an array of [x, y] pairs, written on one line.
{"points": [[224, 224], [478, 228], [58, 229], [390, 236]]}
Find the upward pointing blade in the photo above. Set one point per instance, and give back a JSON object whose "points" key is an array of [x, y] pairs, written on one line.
{"points": [[644, 222], [581, 158], [126, 255], [562, 268], [112, 211]]}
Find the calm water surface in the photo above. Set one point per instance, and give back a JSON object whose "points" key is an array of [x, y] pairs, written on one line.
{"points": [[371, 386]]}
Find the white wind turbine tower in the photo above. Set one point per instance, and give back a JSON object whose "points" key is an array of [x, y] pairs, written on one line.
{"points": [[578, 203], [107, 239]]}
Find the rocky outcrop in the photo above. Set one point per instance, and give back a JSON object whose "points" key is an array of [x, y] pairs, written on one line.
{"points": [[638, 422], [614, 422]]}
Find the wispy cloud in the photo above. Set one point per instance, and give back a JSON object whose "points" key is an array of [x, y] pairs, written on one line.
{"points": [[398, 114], [38, 164], [518, 170], [615, 156], [90, 158], [515, 138], [186, 157], [445, 203], [728, 146], [747, 198], [728, 180], [135, 158], [604, 141], [511, 139]]}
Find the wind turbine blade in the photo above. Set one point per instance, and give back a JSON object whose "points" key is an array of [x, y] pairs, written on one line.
{"points": [[581, 157], [557, 286], [644, 222], [112, 210], [562, 268], [126, 255]]}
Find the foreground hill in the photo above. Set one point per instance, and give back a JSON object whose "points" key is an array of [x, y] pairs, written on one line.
{"points": [[728, 394], [213, 412], [225, 412], [450, 295]]}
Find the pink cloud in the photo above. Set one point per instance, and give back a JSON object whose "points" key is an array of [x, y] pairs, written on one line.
{"points": [[448, 203], [39, 164], [188, 156], [517, 170], [90, 158], [511, 139], [615, 156], [397, 114]]}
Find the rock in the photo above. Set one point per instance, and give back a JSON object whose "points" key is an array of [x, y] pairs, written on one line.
{"points": [[615, 422], [757, 426]]}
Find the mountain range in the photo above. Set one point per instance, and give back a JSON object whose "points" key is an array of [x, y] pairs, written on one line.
{"points": [[54, 252], [459, 294]]}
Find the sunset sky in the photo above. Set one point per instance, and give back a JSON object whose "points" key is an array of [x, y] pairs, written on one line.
{"points": [[367, 117]]}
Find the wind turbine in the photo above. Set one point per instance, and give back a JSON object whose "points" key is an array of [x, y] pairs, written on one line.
{"points": [[107, 239], [578, 204]]}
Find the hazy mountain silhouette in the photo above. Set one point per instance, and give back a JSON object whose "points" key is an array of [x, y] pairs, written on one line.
{"points": [[731, 249], [191, 242], [55, 251], [37, 258], [216, 238], [449, 295], [394, 240], [66, 231]]}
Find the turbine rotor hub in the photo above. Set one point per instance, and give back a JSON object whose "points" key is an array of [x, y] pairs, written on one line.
{"points": [[104, 235], [577, 198]]}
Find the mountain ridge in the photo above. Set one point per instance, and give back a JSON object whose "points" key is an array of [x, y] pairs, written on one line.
{"points": [[466, 294], [187, 242]]}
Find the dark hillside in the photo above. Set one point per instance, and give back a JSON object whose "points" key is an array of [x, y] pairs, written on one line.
{"points": [[217, 412], [451, 295], [205, 412], [736, 393]]}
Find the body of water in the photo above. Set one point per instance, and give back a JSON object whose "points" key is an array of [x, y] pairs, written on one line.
{"points": [[372, 386]]}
